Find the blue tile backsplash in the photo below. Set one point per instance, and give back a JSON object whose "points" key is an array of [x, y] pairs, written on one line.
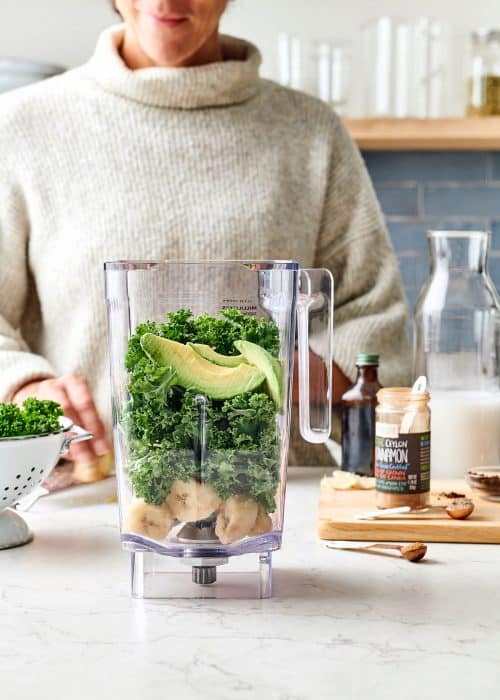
{"points": [[442, 190], [424, 167], [398, 200]]}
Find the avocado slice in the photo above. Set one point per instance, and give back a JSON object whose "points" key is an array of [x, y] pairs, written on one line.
{"points": [[194, 372], [268, 364], [207, 353]]}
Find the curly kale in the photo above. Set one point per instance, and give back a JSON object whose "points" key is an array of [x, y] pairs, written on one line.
{"points": [[219, 333], [162, 420], [36, 417]]}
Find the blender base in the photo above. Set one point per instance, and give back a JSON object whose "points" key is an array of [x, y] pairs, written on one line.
{"points": [[162, 577]]}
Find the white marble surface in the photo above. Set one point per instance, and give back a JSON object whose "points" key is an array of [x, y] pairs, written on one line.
{"points": [[340, 625]]}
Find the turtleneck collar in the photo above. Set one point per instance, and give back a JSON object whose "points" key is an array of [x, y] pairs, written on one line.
{"points": [[234, 80]]}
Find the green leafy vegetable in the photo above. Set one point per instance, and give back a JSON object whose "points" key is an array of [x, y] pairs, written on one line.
{"points": [[36, 417], [162, 420], [219, 333]]}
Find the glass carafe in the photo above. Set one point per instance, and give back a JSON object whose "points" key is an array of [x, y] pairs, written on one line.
{"points": [[457, 346], [201, 361]]}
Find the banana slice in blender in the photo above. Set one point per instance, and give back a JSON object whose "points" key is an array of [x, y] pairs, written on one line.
{"points": [[151, 521], [262, 524], [190, 500], [236, 519]]}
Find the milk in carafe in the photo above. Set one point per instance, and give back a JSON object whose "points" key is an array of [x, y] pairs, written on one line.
{"points": [[465, 428]]}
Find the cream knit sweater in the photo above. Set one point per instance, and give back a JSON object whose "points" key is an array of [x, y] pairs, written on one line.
{"points": [[212, 162]]}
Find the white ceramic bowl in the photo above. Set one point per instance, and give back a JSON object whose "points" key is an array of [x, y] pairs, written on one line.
{"points": [[24, 463]]}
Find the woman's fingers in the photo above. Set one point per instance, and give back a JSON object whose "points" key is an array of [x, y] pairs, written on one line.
{"points": [[81, 399], [55, 390]]}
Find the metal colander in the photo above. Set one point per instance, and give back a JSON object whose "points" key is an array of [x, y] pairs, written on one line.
{"points": [[24, 463]]}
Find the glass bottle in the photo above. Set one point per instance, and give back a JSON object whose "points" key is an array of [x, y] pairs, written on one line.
{"points": [[457, 346], [484, 74], [358, 418]]}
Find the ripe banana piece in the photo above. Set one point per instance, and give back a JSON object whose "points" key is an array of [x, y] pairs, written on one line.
{"points": [[236, 519], [190, 500], [97, 470], [151, 521], [262, 524]]}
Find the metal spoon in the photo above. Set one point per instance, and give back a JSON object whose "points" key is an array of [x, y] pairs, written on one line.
{"points": [[412, 552]]}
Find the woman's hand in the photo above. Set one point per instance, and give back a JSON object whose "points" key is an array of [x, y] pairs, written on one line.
{"points": [[317, 374], [73, 393]]}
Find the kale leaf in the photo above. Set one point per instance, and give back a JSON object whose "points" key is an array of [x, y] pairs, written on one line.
{"points": [[219, 333], [36, 417]]}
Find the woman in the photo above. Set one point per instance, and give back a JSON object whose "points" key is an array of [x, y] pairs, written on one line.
{"points": [[168, 144]]}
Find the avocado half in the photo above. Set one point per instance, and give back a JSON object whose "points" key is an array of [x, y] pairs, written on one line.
{"points": [[266, 363], [194, 372]]}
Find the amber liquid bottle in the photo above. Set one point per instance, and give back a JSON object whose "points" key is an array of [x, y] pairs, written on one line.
{"points": [[358, 418]]}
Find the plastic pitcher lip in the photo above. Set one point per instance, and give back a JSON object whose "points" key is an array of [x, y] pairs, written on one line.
{"points": [[148, 264]]}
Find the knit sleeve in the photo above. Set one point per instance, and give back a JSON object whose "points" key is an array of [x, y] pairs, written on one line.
{"points": [[18, 365], [370, 307]]}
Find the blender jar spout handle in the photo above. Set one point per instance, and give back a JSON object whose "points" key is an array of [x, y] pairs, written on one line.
{"points": [[315, 354]]}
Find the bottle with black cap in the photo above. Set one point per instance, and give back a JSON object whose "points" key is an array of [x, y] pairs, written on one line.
{"points": [[358, 418]]}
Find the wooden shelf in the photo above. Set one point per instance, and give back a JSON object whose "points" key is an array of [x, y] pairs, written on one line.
{"points": [[452, 134]]}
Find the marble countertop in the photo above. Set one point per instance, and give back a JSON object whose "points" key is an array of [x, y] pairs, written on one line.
{"points": [[340, 625]]}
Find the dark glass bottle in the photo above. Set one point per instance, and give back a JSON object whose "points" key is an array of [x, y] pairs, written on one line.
{"points": [[358, 418]]}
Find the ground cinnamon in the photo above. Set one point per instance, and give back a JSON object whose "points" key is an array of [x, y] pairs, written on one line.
{"points": [[402, 448]]}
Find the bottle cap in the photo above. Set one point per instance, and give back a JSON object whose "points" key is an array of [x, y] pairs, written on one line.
{"points": [[364, 359]]}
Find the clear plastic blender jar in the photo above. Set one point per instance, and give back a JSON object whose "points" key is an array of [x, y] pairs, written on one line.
{"points": [[202, 359]]}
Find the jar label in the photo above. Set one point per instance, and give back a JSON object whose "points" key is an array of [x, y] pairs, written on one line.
{"points": [[403, 463]]}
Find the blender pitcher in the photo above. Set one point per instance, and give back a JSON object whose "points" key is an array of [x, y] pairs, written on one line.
{"points": [[202, 357]]}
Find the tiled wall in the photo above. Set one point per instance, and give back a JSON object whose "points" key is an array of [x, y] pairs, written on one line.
{"points": [[418, 191]]}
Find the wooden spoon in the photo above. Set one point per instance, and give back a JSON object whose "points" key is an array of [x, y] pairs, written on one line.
{"points": [[459, 509], [412, 552]]}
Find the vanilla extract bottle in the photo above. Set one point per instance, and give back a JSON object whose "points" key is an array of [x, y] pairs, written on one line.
{"points": [[358, 418]]}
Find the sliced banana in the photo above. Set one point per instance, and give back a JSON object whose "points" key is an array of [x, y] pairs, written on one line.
{"points": [[366, 482], [96, 470], [236, 519], [263, 523], [190, 500], [343, 481], [151, 521]]}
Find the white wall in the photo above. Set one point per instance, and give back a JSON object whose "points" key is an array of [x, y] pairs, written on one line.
{"points": [[64, 31]]}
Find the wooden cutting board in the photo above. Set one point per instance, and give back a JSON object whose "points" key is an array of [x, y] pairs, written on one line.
{"points": [[337, 511]]}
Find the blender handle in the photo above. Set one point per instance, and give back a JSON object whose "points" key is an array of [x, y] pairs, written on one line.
{"points": [[315, 338]]}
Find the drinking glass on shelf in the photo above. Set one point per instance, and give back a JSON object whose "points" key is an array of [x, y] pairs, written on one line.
{"points": [[290, 61], [333, 72], [378, 68], [430, 48], [404, 67]]}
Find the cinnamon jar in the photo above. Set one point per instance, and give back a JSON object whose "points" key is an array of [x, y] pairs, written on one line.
{"points": [[402, 448]]}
